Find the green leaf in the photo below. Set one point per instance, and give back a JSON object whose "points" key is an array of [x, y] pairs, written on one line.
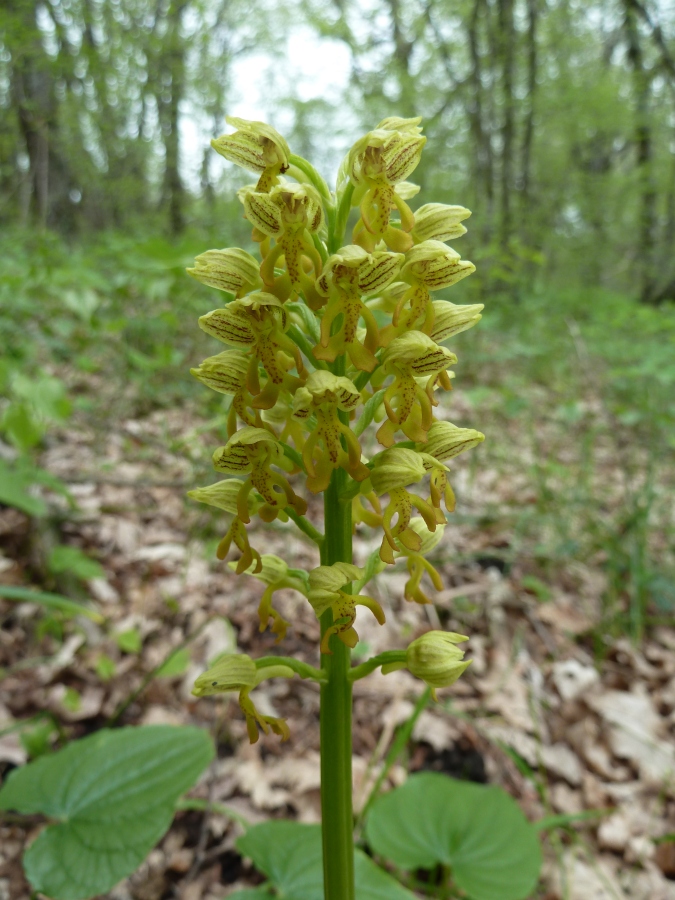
{"points": [[129, 641], [71, 559], [105, 667], [14, 492], [176, 664], [50, 601], [113, 795], [373, 883], [369, 410], [290, 855], [480, 832]]}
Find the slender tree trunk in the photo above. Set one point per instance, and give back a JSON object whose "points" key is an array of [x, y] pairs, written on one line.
{"points": [[173, 85], [481, 156], [528, 130], [506, 39], [644, 154], [31, 91]]}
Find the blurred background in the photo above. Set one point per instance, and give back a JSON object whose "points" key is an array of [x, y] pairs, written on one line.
{"points": [[552, 120]]}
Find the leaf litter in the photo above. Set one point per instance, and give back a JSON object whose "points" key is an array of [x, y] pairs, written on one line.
{"points": [[566, 728]]}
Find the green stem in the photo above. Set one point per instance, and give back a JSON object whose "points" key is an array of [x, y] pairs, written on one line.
{"points": [[304, 670], [335, 721], [389, 656], [308, 169], [300, 340], [336, 714], [336, 238], [305, 526]]}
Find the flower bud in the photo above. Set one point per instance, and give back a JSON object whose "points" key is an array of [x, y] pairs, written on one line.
{"points": [[285, 206], [435, 658], [235, 456], [445, 440], [373, 270], [223, 495], [389, 153], [255, 146], [397, 467], [451, 319], [225, 373], [232, 270], [418, 353], [435, 265], [324, 387], [239, 321], [233, 672], [438, 222]]}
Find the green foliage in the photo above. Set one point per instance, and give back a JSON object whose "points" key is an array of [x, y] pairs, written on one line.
{"points": [[175, 665], [50, 601], [71, 559], [111, 797], [479, 832], [37, 740], [289, 854], [129, 641], [105, 667]]}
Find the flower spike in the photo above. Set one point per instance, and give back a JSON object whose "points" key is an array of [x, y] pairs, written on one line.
{"points": [[232, 270], [321, 344]]}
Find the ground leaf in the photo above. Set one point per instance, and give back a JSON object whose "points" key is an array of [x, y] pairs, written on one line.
{"points": [[289, 853], [480, 832], [112, 795]]}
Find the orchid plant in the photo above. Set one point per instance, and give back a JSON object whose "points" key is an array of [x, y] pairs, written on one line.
{"points": [[322, 337]]}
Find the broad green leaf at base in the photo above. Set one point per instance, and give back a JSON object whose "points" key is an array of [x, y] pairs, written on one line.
{"points": [[479, 832], [112, 795], [289, 854]]}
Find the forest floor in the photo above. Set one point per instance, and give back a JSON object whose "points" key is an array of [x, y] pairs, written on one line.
{"points": [[565, 727], [558, 564]]}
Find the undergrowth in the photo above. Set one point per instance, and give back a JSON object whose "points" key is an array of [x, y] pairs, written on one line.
{"points": [[578, 384]]}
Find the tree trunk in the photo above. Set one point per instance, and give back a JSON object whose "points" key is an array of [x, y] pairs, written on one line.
{"points": [[482, 147], [31, 91], [172, 69], [528, 130], [642, 136], [506, 59]]}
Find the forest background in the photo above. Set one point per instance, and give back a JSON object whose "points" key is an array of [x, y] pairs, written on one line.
{"points": [[552, 120]]}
